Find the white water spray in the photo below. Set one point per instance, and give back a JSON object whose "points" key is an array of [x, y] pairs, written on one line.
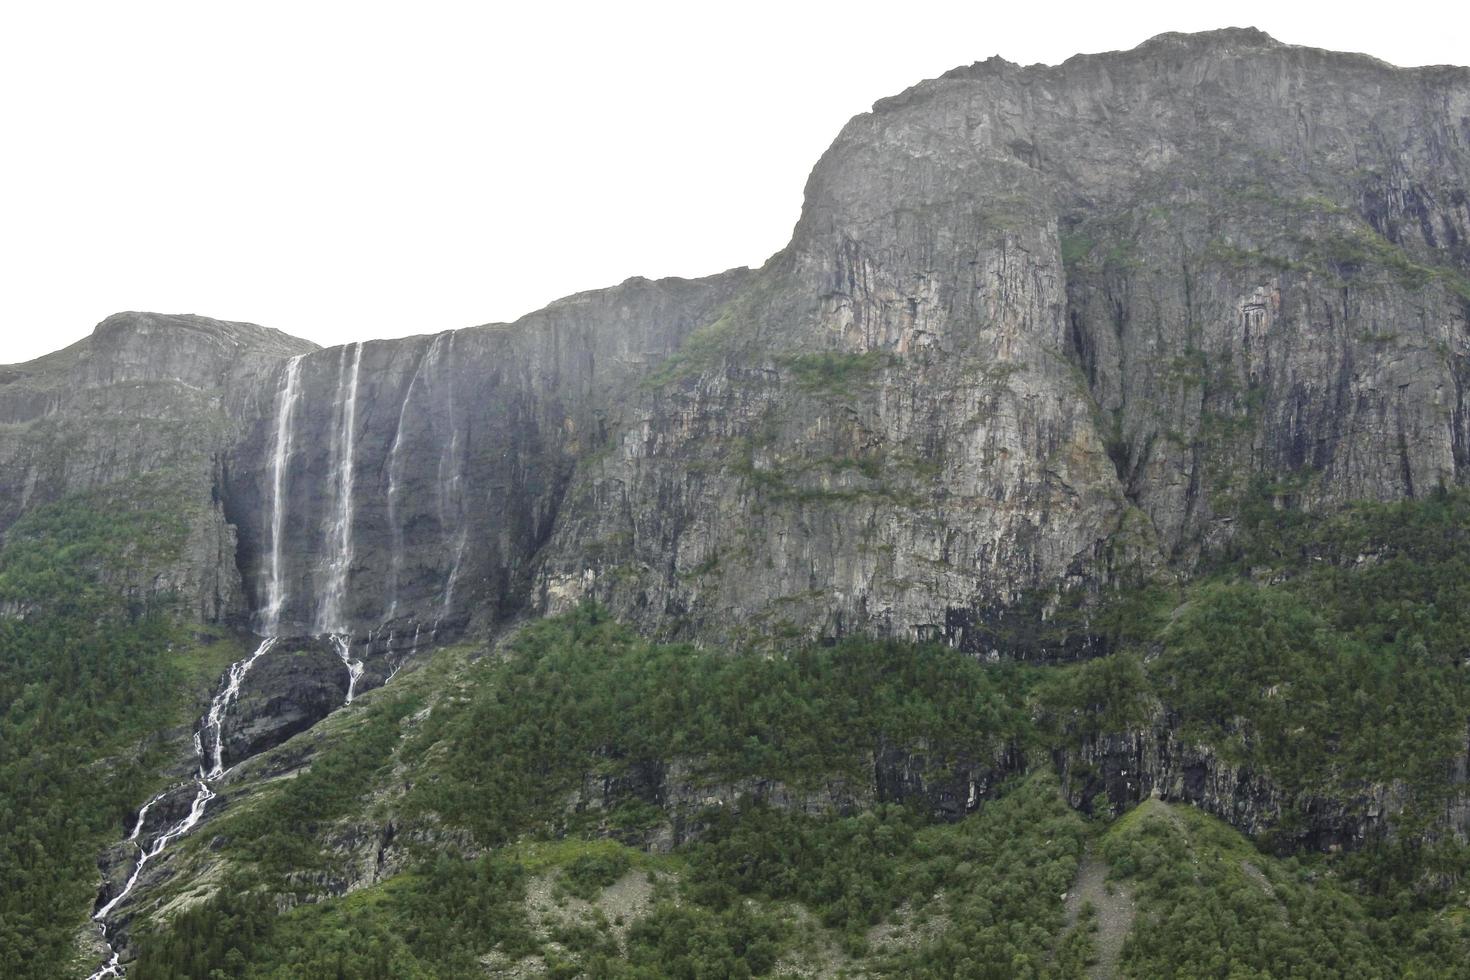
{"points": [[215, 720], [211, 763], [280, 460], [433, 375], [395, 477], [196, 813], [143, 813], [343, 643], [111, 967], [344, 443], [451, 479]]}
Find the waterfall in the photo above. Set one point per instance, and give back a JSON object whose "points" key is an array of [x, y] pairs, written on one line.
{"points": [[111, 967], [433, 374], [211, 760], [339, 539], [330, 618], [143, 815], [196, 813], [215, 720], [395, 476], [202, 795], [280, 459], [343, 643], [210, 766], [451, 478]]}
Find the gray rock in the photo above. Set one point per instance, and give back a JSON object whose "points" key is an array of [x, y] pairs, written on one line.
{"points": [[1036, 329], [1043, 326]]}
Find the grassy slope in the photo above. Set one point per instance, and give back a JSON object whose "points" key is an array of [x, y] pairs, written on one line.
{"points": [[87, 679], [1326, 654]]}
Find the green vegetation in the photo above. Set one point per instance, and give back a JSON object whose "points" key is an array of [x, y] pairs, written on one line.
{"points": [[1361, 251], [1325, 653], [275, 833], [835, 372], [1245, 259], [991, 886], [1075, 247], [1212, 906], [702, 350], [1349, 668], [432, 923], [994, 880], [86, 671], [1355, 255], [583, 693]]}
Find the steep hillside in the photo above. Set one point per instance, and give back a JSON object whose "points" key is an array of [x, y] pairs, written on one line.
{"points": [[1042, 326], [1052, 563]]}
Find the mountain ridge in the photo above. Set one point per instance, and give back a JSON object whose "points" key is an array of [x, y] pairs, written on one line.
{"points": [[1101, 434], [1002, 219]]}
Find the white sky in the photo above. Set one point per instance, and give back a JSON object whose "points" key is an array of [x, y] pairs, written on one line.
{"points": [[352, 170]]}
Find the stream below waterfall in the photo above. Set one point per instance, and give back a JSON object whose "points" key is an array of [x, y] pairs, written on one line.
{"points": [[331, 611], [210, 767]]}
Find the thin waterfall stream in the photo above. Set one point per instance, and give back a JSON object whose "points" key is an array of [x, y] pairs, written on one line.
{"points": [[331, 619], [343, 643], [211, 759]]}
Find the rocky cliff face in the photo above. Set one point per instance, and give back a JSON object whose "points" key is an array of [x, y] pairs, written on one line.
{"points": [[421, 477], [1035, 328], [145, 395], [1037, 325], [1115, 771]]}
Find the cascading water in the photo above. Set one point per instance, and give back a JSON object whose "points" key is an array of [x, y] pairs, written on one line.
{"points": [[202, 796], [339, 537], [211, 761], [143, 815], [451, 489], [280, 460], [395, 482], [196, 813], [215, 721], [330, 619], [343, 643], [431, 390]]}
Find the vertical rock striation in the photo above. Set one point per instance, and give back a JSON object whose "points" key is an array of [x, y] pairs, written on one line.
{"points": [[1036, 328], [1042, 326], [421, 476]]}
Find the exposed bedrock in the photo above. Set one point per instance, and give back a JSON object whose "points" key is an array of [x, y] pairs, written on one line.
{"points": [[1038, 326]]}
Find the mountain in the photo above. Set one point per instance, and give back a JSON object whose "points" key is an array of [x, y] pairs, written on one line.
{"points": [[1097, 446]]}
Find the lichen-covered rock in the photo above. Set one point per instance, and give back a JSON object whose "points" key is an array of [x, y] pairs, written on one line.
{"points": [[1036, 327], [1040, 325], [142, 403], [459, 448]]}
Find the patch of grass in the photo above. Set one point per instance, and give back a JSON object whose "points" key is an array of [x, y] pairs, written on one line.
{"points": [[705, 348], [835, 372]]}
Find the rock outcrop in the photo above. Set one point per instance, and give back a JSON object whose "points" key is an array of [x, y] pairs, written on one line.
{"points": [[1039, 326], [1036, 329], [1116, 771], [143, 403]]}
